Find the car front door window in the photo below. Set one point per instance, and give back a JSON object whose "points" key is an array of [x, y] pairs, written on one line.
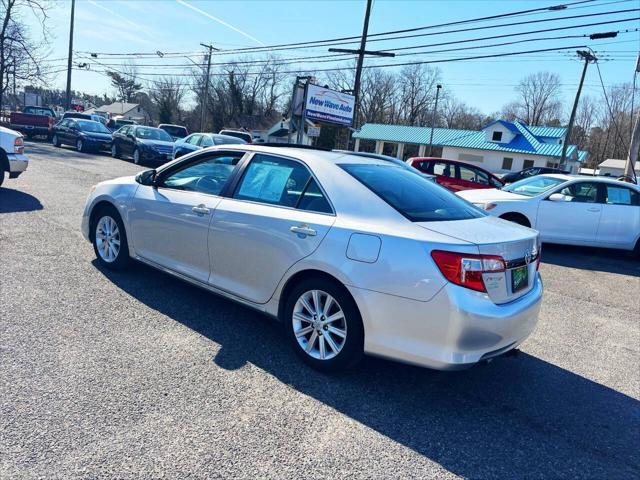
{"points": [[581, 192], [206, 176]]}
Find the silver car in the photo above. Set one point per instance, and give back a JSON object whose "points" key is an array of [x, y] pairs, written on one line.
{"points": [[354, 255]]}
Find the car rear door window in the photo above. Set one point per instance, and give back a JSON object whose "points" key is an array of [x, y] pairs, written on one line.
{"points": [[194, 139], [473, 175], [621, 196], [208, 175], [206, 141], [281, 181]]}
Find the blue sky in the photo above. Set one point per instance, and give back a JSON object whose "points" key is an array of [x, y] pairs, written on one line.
{"points": [[129, 26]]}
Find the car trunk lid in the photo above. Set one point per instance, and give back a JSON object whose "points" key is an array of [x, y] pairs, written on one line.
{"points": [[517, 245]]}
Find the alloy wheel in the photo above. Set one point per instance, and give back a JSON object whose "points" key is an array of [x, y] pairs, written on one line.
{"points": [[79, 145], [108, 239], [319, 325], [136, 156], [114, 151]]}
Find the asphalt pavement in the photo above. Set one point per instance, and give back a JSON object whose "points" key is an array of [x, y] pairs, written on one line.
{"points": [[138, 375]]}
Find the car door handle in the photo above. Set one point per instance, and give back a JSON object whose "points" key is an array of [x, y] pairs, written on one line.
{"points": [[593, 209], [303, 230], [201, 210]]}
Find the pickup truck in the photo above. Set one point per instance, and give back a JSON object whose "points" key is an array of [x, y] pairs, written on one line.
{"points": [[33, 121], [12, 158]]}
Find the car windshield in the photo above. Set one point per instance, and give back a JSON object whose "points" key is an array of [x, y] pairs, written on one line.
{"points": [[175, 130], [90, 126], [149, 133], [412, 195], [532, 186]]}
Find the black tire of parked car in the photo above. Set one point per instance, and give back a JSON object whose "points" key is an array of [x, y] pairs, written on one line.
{"points": [[353, 350], [115, 152], [636, 251], [123, 260], [1, 176], [55, 140]]}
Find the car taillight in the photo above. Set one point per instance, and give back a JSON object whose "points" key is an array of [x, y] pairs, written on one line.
{"points": [[466, 269], [18, 145]]}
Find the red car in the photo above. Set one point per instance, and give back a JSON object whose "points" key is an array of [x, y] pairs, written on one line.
{"points": [[455, 175]]}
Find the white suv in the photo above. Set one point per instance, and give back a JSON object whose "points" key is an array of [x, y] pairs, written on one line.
{"points": [[12, 158]]}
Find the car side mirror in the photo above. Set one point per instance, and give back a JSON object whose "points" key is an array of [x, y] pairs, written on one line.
{"points": [[147, 177], [556, 197]]}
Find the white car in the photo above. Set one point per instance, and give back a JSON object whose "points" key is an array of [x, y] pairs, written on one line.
{"points": [[352, 254], [13, 161], [573, 210]]}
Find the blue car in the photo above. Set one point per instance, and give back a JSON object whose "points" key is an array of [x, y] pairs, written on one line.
{"points": [[85, 135], [196, 141], [143, 144]]}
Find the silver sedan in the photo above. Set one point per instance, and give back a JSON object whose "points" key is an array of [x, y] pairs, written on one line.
{"points": [[354, 255]]}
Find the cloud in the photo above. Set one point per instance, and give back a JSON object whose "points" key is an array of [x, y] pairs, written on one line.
{"points": [[222, 22], [141, 28]]}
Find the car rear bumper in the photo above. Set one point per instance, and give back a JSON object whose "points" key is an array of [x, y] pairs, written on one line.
{"points": [[457, 328]]}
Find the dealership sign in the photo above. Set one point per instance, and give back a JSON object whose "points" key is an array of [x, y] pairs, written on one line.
{"points": [[326, 105]]}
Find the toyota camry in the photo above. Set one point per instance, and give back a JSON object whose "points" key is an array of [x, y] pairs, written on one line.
{"points": [[353, 255]]}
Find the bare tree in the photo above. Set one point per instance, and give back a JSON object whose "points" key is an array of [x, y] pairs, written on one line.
{"points": [[22, 59], [539, 100], [167, 95], [457, 114], [125, 81], [418, 89]]}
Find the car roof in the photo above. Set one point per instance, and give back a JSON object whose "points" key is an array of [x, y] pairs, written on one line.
{"points": [[568, 177]]}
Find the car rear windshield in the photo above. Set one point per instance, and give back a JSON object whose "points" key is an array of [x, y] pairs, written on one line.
{"points": [[532, 186], [232, 133], [175, 131], [409, 193], [150, 133]]}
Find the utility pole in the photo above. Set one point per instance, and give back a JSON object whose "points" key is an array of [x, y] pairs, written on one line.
{"points": [[203, 103], [634, 147], [433, 119], [361, 52], [70, 58], [588, 57]]}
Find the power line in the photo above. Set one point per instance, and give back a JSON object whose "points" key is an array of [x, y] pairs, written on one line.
{"points": [[331, 58], [325, 42]]}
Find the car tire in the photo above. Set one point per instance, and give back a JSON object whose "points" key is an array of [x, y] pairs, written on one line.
{"points": [[136, 156], [1, 176], [115, 153], [636, 250], [55, 140], [80, 145], [324, 344], [109, 238]]}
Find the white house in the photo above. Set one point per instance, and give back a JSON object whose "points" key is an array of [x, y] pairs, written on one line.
{"points": [[499, 147], [128, 111], [615, 168]]}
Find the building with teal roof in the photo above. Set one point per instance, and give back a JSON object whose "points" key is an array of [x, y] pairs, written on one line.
{"points": [[499, 147]]}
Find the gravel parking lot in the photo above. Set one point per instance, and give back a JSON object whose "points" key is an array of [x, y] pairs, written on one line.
{"points": [[138, 375]]}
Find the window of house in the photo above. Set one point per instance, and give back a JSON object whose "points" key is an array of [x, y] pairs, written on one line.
{"points": [[527, 164], [467, 157], [507, 163], [497, 136], [552, 164]]}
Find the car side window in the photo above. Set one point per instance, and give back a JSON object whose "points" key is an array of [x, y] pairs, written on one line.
{"points": [[473, 175], [206, 141], [581, 192], [621, 196], [194, 139], [207, 175], [124, 131], [280, 181], [443, 169]]}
